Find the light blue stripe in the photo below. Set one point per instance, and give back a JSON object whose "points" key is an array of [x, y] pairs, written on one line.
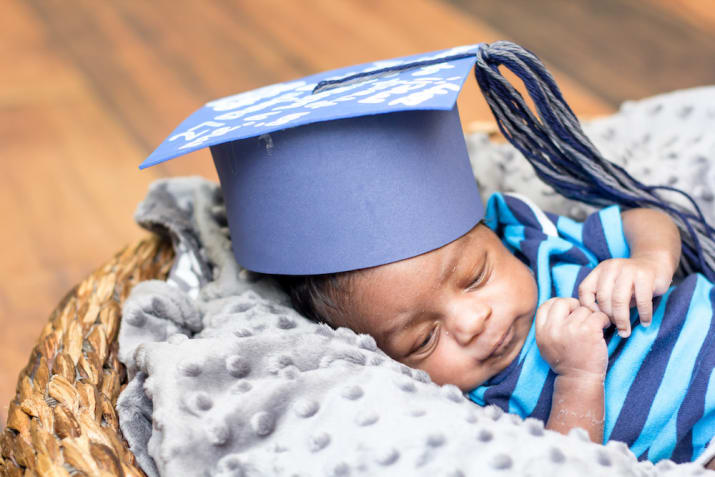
{"points": [[570, 229], [613, 231], [528, 343], [704, 429], [477, 395], [660, 427], [623, 372], [664, 444], [497, 211], [513, 236], [564, 276], [613, 344], [546, 249]]}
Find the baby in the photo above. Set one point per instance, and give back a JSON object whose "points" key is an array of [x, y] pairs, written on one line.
{"points": [[365, 168], [468, 313]]}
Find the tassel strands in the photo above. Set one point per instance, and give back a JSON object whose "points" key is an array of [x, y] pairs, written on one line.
{"points": [[564, 157]]}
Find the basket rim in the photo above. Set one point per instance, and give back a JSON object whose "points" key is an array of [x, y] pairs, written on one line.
{"points": [[62, 418]]}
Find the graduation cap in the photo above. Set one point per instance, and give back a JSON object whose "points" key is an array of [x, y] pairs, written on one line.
{"points": [[346, 169], [367, 165]]}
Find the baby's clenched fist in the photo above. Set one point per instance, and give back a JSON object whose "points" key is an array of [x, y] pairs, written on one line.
{"points": [[570, 338]]}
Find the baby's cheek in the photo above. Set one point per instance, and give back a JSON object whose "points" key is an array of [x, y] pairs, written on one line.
{"points": [[448, 366]]}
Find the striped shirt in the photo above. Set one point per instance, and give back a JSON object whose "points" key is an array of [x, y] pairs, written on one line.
{"points": [[660, 385]]}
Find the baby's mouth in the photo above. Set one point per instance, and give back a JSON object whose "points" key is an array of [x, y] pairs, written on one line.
{"points": [[502, 344], [498, 346]]}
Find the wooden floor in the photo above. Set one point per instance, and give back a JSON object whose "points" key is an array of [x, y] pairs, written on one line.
{"points": [[88, 89]]}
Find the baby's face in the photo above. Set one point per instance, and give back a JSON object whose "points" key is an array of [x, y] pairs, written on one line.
{"points": [[461, 312]]}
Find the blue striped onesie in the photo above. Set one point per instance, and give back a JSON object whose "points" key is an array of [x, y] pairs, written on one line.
{"points": [[660, 385]]}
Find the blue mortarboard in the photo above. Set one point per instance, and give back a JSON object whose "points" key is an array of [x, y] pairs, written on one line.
{"points": [[369, 168], [367, 165]]}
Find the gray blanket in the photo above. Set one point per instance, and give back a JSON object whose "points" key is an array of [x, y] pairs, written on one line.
{"points": [[227, 379]]}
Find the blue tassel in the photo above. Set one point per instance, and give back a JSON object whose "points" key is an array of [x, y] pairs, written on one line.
{"points": [[564, 157]]}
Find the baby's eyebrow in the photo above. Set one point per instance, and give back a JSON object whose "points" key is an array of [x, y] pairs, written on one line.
{"points": [[388, 335], [448, 271]]}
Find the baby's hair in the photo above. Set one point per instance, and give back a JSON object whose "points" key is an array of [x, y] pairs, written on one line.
{"points": [[320, 298]]}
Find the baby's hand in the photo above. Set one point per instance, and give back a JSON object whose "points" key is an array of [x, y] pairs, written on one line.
{"points": [[570, 338], [615, 285]]}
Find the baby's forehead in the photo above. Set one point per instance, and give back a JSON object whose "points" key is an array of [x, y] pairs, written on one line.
{"points": [[436, 261], [429, 268]]}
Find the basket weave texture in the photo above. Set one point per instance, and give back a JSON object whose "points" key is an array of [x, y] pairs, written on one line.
{"points": [[62, 420]]}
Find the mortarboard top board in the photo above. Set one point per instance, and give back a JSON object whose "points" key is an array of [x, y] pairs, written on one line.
{"points": [[347, 169]]}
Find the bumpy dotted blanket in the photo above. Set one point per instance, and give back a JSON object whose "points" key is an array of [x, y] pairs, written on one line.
{"points": [[226, 379]]}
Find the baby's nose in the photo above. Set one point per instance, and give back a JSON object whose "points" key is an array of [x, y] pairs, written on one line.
{"points": [[468, 322]]}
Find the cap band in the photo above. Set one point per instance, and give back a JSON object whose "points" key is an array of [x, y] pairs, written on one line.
{"points": [[348, 194]]}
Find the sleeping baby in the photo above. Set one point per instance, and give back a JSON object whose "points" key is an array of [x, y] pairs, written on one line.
{"points": [[518, 312], [354, 187]]}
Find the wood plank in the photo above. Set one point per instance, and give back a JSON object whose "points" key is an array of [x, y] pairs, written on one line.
{"points": [[618, 50], [60, 221], [698, 13]]}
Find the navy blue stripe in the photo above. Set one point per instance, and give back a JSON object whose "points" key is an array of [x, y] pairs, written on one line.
{"points": [[693, 406], [552, 217], [636, 406], [501, 385], [524, 259], [523, 213], [684, 446], [530, 248], [582, 273], [543, 405], [594, 238], [573, 255]]}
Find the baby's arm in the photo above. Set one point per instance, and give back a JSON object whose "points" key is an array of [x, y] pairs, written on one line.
{"points": [[570, 339], [616, 285]]}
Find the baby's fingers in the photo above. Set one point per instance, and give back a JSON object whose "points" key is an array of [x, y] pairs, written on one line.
{"points": [[587, 290], [602, 318], [598, 317], [553, 311], [620, 302], [604, 290], [644, 301]]}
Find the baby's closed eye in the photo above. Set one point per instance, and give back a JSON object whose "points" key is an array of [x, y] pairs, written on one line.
{"points": [[425, 342]]}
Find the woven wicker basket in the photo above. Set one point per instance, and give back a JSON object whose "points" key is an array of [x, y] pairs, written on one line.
{"points": [[62, 420]]}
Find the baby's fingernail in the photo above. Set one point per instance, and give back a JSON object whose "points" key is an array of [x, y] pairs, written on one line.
{"points": [[646, 323], [623, 333]]}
